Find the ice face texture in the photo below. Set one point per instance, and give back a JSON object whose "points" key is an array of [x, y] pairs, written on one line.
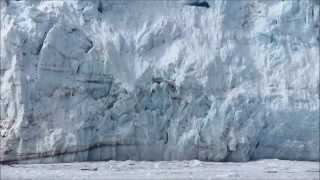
{"points": [[159, 80]]}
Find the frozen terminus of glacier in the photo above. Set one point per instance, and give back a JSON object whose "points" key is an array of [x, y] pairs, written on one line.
{"points": [[85, 80]]}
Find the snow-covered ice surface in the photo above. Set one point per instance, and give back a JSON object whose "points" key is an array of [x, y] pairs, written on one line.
{"points": [[139, 170], [159, 80]]}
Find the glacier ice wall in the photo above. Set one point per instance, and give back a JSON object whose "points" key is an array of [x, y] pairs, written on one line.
{"points": [[159, 80]]}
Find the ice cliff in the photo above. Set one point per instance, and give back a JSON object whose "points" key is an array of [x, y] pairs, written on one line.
{"points": [[159, 80]]}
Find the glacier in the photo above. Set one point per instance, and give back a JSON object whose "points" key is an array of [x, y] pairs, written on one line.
{"points": [[89, 80]]}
